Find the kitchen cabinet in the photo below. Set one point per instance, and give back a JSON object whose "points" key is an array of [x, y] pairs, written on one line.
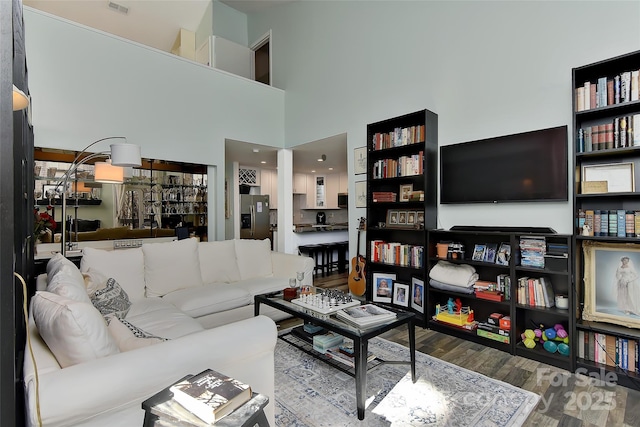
{"points": [[299, 183], [343, 183], [332, 186], [269, 186]]}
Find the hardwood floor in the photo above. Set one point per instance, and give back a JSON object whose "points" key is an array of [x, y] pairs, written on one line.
{"points": [[566, 399]]}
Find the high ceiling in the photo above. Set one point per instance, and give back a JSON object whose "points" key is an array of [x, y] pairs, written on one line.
{"points": [[156, 23]]}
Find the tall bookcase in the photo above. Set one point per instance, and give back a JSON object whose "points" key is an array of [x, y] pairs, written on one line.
{"points": [[606, 123], [401, 204]]}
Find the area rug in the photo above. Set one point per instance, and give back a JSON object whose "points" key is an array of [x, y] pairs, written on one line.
{"points": [[310, 393]]}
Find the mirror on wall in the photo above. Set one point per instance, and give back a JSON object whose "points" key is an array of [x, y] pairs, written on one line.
{"points": [[155, 200]]}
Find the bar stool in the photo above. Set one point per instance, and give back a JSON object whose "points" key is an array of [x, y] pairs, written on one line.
{"points": [[316, 252]]}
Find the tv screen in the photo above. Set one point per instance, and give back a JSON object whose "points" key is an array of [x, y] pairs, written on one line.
{"points": [[524, 167]]}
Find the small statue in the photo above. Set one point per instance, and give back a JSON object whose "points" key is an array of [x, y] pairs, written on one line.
{"points": [[586, 230], [458, 305], [450, 306]]}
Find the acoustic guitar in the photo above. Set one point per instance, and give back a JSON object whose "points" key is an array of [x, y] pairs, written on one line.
{"points": [[357, 281]]}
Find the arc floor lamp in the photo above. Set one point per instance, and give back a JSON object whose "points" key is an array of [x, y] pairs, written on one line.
{"points": [[110, 171]]}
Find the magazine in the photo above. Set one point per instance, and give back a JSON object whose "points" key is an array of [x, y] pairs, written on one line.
{"points": [[365, 315]]}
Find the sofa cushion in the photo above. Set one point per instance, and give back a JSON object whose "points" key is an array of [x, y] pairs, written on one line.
{"points": [[126, 266], [254, 258], [128, 336], [208, 299], [111, 299], [218, 262], [262, 285], [171, 266], [69, 283], [163, 320], [74, 331], [56, 262]]}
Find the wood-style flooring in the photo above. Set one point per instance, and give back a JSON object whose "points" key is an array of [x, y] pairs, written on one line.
{"points": [[566, 399]]}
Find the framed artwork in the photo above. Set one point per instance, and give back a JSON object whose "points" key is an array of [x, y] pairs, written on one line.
{"points": [[417, 294], [401, 294], [478, 252], [420, 217], [402, 217], [382, 287], [405, 192], [618, 176], [361, 194], [504, 254], [392, 218], [490, 252], [360, 160], [411, 217], [611, 283]]}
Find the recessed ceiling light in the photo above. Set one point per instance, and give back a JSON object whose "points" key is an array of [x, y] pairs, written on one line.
{"points": [[322, 158], [263, 162], [313, 171], [330, 169], [255, 150]]}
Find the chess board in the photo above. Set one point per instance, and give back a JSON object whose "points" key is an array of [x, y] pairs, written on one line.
{"points": [[316, 303]]}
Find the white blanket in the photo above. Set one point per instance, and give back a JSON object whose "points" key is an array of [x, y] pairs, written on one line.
{"points": [[462, 275]]}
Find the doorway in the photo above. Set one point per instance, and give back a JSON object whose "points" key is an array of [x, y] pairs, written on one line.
{"points": [[262, 59]]}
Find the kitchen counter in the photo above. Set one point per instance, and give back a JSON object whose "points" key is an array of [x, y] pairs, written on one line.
{"points": [[316, 228]]}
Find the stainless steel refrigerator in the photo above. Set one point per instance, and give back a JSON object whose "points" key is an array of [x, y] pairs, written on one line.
{"points": [[254, 217]]}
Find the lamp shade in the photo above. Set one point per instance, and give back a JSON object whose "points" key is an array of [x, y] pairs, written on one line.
{"points": [[123, 154], [107, 173], [20, 100]]}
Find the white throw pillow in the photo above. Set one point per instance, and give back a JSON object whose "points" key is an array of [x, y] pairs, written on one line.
{"points": [[171, 266], [129, 337], [74, 331], [69, 283], [218, 262], [124, 265], [56, 262], [254, 258], [94, 280]]}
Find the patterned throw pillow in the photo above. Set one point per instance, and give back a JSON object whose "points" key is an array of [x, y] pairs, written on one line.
{"points": [[111, 299], [128, 336]]}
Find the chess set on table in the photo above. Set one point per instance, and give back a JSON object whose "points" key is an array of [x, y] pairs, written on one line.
{"points": [[326, 301]]}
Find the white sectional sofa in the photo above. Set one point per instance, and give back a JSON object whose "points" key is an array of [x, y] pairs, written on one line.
{"points": [[130, 322]]}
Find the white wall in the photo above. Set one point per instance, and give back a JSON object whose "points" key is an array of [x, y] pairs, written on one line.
{"points": [[88, 85], [486, 69]]}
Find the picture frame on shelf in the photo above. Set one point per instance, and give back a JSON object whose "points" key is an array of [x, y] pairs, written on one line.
{"points": [[417, 294], [611, 283], [478, 252], [411, 217], [618, 176], [490, 252], [405, 192], [503, 256], [360, 160], [361, 194], [383, 286], [401, 294], [420, 217], [402, 217], [392, 218]]}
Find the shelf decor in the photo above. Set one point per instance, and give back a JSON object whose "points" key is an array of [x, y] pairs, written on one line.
{"points": [[382, 286], [618, 176], [612, 284], [417, 294]]}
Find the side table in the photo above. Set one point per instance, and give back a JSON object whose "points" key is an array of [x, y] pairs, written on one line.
{"points": [[162, 411]]}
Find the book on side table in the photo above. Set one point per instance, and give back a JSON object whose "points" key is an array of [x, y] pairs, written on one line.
{"points": [[210, 395]]}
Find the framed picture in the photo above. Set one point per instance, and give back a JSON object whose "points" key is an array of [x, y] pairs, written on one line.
{"points": [[619, 176], [402, 217], [504, 254], [420, 217], [490, 252], [401, 294], [392, 218], [360, 160], [405, 192], [411, 217], [611, 283], [361, 194], [478, 252], [382, 286], [417, 294], [49, 192]]}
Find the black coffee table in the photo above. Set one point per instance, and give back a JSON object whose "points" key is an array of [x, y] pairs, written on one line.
{"points": [[360, 337]]}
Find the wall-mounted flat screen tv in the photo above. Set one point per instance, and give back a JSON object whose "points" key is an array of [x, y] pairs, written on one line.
{"points": [[524, 167]]}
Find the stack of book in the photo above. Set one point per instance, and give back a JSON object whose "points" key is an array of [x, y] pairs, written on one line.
{"points": [[532, 251], [208, 395], [365, 315], [337, 353], [537, 292], [384, 196]]}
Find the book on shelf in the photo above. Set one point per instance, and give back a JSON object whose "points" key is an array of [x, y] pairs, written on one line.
{"points": [[211, 395], [365, 315]]}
